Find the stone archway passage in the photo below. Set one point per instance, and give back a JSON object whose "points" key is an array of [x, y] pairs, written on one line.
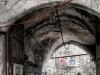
{"points": [[42, 34]]}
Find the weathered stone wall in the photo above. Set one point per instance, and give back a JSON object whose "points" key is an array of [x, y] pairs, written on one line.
{"points": [[11, 10]]}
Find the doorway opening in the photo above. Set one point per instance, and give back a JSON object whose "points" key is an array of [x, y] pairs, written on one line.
{"points": [[73, 61]]}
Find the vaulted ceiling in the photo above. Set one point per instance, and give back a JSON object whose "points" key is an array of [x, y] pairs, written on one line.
{"points": [[48, 26]]}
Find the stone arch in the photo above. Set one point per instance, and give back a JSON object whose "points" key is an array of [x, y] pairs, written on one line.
{"points": [[44, 25]]}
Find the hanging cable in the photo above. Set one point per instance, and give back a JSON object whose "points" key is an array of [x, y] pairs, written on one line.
{"points": [[60, 27]]}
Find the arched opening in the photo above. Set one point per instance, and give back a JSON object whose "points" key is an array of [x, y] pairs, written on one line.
{"points": [[33, 38], [73, 61]]}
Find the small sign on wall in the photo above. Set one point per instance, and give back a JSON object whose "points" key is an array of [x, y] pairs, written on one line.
{"points": [[17, 69]]}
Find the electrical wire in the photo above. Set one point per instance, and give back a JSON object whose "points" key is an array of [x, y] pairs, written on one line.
{"points": [[10, 7], [60, 27]]}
